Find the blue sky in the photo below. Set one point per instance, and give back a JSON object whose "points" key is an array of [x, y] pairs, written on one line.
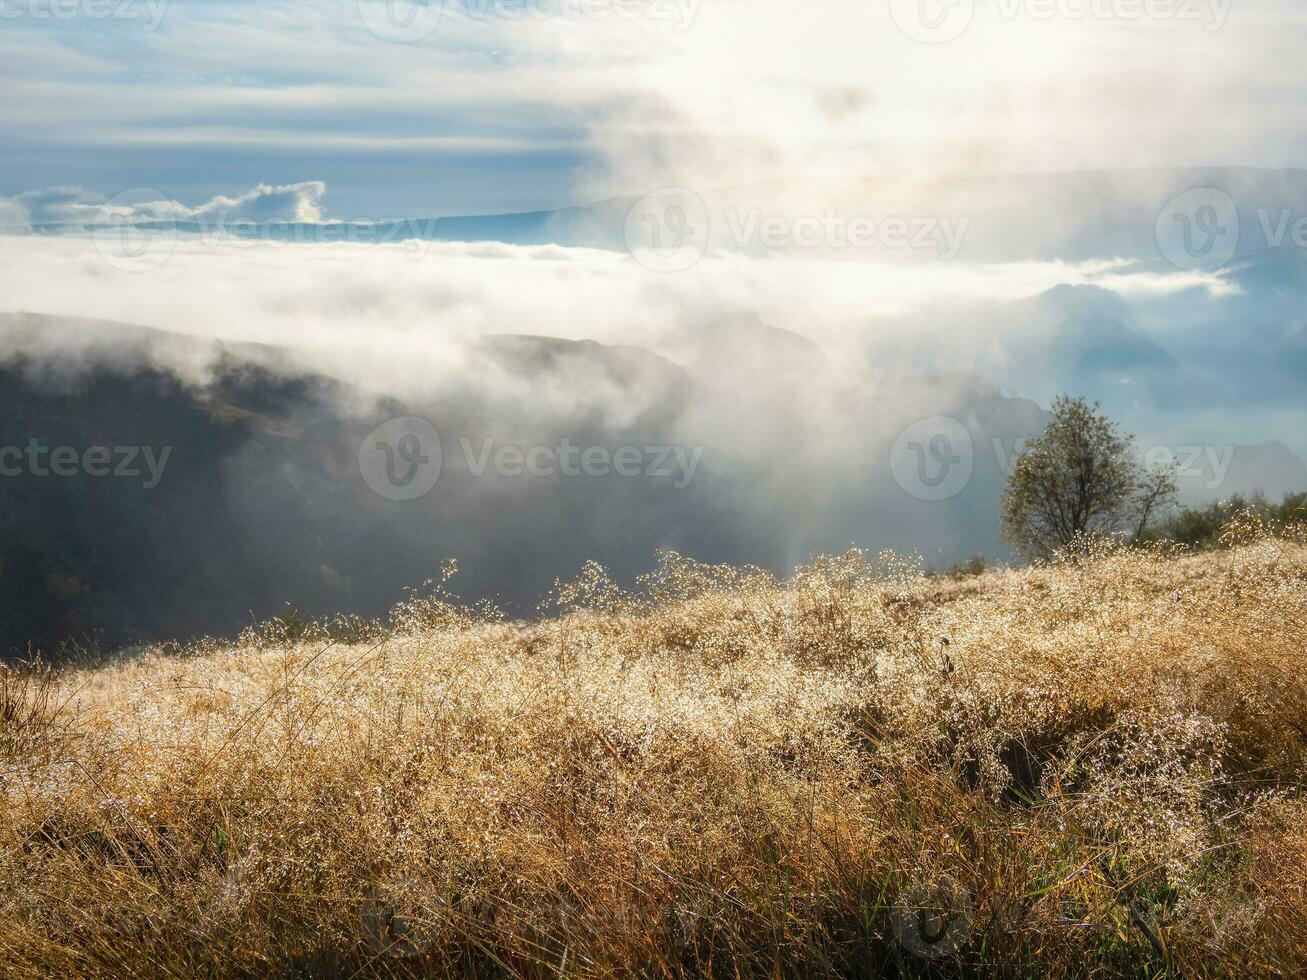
{"points": [[221, 95], [508, 105]]}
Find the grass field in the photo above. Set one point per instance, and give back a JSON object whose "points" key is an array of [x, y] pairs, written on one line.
{"points": [[1089, 768]]}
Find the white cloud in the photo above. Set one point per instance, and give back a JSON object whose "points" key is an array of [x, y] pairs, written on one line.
{"points": [[394, 313], [50, 206], [77, 207], [291, 202], [739, 92]]}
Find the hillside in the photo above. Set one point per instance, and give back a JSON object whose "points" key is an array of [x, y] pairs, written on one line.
{"points": [[262, 505], [1076, 769]]}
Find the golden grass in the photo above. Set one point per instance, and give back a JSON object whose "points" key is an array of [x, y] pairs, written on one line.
{"points": [[1089, 768]]}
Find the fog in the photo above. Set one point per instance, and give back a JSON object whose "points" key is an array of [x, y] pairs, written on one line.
{"points": [[887, 253]]}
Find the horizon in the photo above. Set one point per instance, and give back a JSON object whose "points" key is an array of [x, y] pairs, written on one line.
{"points": [[836, 264], [653, 488]]}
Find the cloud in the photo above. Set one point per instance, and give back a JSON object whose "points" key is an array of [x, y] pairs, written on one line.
{"points": [[393, 317], [76, 207], [796, 435], [291, 202], [50, 206], [579, 107]]}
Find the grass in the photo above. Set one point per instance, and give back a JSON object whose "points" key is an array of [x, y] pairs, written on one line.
{"points": [[1091, 768]]}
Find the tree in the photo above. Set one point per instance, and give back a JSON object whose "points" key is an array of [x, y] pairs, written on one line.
{"points": [[1078, 480], [1154, 495]]}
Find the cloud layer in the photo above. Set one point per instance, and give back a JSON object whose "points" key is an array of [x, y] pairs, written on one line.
{"points": [[509, 105], [73, 208]]}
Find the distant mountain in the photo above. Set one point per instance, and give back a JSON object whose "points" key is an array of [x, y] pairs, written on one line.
{"points": [[1073, 216], [259, 504], [741, 442], [1268, 468], [148, 542], [1077, 340]]}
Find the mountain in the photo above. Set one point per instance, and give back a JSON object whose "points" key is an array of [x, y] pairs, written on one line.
{"points": [[150, 541], [257, 483], [1268, 468], [248, 491], [1079, 340], [1074, 216]]}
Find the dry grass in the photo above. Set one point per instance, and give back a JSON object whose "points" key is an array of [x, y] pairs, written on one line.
{"points": [[1080, 769]]}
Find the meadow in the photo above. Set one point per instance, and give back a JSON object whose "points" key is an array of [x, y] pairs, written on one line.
{"points": [[1089, 767]]}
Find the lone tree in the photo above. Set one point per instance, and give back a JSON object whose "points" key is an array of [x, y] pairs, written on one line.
{"points": [[1078, 480]]}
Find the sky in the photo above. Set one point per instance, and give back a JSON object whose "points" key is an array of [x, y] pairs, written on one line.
{"points": [[968, 298], [486, 106]]}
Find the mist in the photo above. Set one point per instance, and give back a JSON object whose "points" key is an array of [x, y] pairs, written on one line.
{"points": [[882, 260]]}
